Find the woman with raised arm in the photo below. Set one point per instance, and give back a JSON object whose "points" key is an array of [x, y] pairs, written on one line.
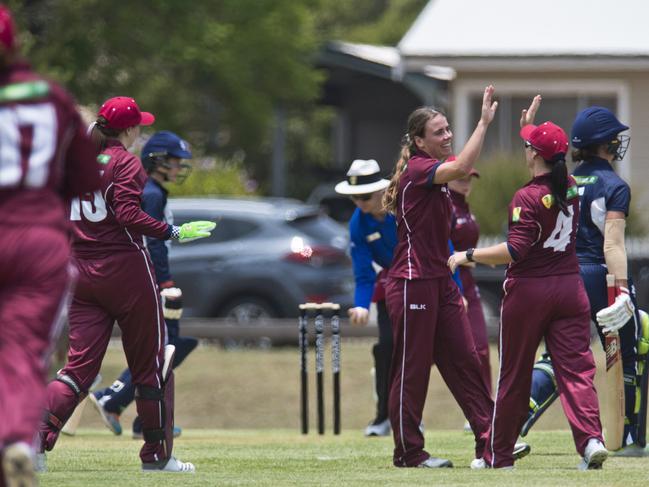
{"points": [[428, 317]]}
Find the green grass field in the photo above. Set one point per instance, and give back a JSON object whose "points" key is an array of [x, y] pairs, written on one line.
{"points": [[283, 457], [239, 413]]}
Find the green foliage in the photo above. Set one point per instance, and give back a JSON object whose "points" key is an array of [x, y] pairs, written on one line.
{"points": [[214, 177], [501, 175], [214, 70], [381, 22]]}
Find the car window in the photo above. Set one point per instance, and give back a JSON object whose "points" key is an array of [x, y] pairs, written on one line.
{"points": [[319, 227], [226, 229]]}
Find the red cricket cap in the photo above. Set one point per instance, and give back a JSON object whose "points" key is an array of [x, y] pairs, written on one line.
{"points": [[122, 112], [7, 30], [548, 139]]}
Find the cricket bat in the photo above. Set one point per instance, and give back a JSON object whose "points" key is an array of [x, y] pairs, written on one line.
{"points": [[614, 382], [71, 425]]}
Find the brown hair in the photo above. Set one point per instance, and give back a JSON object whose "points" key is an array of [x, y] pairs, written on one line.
{"points": [[100, 133], [416, 128], [585, 153]]}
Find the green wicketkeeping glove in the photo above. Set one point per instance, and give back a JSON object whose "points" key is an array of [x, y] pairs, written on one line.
{"points": [[192, 231]]}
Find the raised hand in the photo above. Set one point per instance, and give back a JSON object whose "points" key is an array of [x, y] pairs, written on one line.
{"points": [[528, 114], [489, 106]]}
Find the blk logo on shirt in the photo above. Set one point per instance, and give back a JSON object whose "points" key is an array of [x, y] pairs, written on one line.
{"points": [[417, 307]]}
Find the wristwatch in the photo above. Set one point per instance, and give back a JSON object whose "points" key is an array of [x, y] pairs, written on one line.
{"points": [[469, 254]]}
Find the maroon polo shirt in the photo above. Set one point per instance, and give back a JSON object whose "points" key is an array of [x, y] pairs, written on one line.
{"points": [[112, 219], [46, 156], [541, 238], [423, 221]]}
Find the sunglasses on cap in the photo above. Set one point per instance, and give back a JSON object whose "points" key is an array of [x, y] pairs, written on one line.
{"points": [[362, 197]]}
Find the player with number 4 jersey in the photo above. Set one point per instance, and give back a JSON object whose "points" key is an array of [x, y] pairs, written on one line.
{"points": [[544, 298]]}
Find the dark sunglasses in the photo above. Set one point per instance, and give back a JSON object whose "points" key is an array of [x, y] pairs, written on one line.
{"points": [[362, 197]]}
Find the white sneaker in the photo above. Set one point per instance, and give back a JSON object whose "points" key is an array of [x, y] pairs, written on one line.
{"points": [[594, 455], [380, 429], [433, 462], [521, 450], [173, 465], [467, 427], [478, 463], [18, 465]]}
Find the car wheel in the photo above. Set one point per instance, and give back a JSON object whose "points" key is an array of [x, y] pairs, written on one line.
{"points": [[247, 310]]}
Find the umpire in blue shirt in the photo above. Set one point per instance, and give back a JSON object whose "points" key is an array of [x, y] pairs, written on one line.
{"points": [[373, 234]]}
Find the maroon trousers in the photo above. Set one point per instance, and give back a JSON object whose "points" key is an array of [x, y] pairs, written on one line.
{"points": [[122, 289], [430, 325], [35, 282], [555, 308], [477, 321]]}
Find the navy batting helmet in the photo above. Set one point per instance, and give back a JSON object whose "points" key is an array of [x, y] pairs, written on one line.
{"points": [[595, 125], [160, 147]]}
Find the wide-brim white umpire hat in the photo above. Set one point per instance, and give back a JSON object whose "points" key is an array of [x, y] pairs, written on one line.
{"points": [[364, 176]]}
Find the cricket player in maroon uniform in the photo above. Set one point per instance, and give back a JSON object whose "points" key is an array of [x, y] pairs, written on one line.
{"points": [[117, 284], [464, 234], [429, 321], [45, 159], [544, 298]]}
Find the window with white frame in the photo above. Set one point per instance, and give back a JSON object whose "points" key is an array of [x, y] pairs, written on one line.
{"points": [[562, 99], [560, 109]]}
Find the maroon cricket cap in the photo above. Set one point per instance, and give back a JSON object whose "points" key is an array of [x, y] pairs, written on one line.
{"points": [[122, 112], [474, 172], [548, 139], [7, 30]]}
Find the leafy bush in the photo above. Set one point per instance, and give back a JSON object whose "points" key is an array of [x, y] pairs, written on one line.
{"points": [[214, 177], [500, 176]]}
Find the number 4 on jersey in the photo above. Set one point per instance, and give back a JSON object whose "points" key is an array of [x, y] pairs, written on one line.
{"points": [[560, 236]]}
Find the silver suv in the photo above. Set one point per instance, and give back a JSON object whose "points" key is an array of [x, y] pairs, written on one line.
{"points": [[265, 257]]}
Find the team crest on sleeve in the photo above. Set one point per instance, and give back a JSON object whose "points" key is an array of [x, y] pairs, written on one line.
{"points": [[516, 214], [103, 158], [547, 201]]}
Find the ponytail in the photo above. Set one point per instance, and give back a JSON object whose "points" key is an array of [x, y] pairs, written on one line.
{"points": [[416, 128], [559, 184], [99, 133], [390, 196]]}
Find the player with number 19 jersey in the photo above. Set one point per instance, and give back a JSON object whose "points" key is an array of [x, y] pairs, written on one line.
{"points": [[541, 238]]}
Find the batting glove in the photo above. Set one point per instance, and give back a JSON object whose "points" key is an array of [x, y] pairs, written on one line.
{"points": [[192, 231], [615, 316], [172, 303]]}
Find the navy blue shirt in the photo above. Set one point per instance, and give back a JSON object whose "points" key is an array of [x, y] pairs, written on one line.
{"points": [[371, 241], [154, 202], [600, 190]]}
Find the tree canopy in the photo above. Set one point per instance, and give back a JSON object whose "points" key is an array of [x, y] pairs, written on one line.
{"points": [[212, 70]]}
